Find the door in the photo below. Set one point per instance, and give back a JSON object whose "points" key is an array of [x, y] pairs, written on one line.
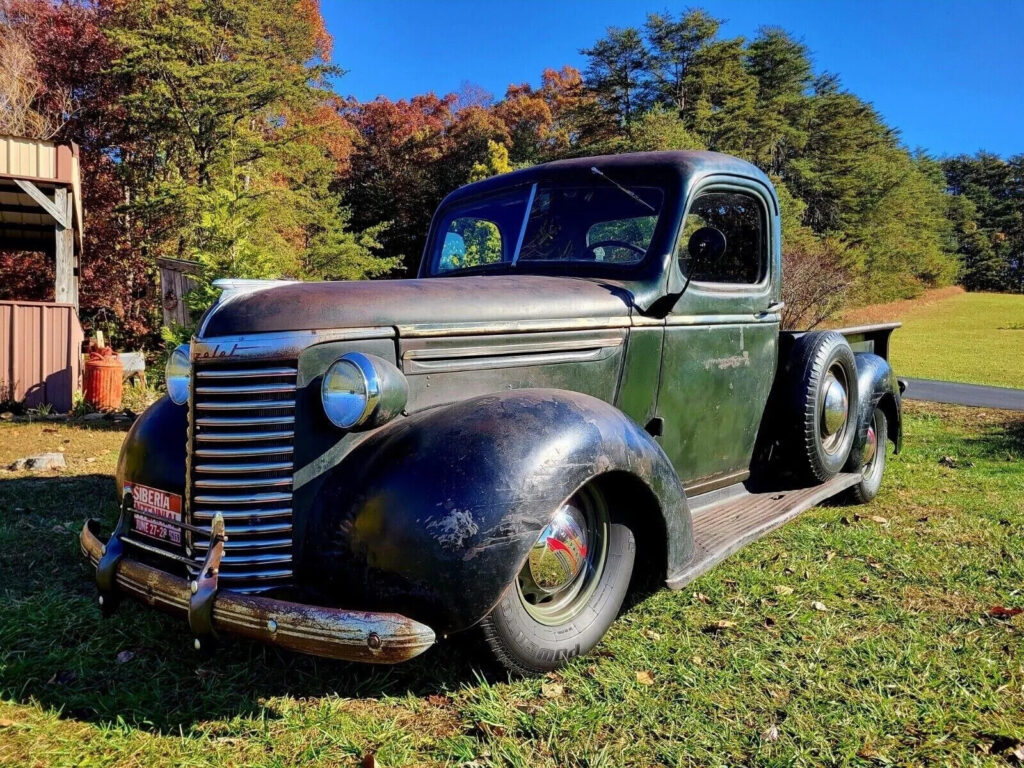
{"points": [[721, 338]]}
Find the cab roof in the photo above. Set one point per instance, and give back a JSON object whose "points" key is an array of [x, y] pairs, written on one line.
{"points": [[629, 168]]}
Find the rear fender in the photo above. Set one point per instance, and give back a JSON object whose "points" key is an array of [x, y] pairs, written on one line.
{"points": [[877, 387], [435, 514]]}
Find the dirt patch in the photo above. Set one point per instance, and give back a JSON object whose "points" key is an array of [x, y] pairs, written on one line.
{"points": [[85, 448], [893, 311], [917, 600]]}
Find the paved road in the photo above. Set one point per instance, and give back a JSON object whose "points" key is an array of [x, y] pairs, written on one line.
{"points": [[965, 394]]}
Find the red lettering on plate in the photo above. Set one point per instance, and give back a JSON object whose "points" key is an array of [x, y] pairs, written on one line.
{"points": [[156, 503]]}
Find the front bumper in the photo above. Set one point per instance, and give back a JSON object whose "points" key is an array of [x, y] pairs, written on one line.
{"points": [[379, 638]]}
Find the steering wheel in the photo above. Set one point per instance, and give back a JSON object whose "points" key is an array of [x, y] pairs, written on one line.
{"points": [[615, 244]]}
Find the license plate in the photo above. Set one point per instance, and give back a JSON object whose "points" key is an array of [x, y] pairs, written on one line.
{"points": [[157, 506]]}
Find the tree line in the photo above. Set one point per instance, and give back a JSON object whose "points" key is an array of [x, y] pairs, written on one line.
{"points": [[211, 131]]}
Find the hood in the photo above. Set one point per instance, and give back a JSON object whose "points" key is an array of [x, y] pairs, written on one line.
{"points": [[427, 301]]}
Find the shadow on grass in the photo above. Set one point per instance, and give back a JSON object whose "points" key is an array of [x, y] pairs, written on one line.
{"points": [[139, 665], [1005, 441]]}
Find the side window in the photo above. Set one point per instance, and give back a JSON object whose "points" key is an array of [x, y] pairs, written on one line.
{"points": [[724, 239], [470, 242]]}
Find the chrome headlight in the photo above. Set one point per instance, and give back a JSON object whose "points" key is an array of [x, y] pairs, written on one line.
{"points": [[362, 390], [178, 374]]}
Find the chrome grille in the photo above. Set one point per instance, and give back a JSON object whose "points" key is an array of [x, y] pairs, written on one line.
{"points": [[241, 440]]}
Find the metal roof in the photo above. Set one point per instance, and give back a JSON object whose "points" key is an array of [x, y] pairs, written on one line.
{"points": [[26, 224]]}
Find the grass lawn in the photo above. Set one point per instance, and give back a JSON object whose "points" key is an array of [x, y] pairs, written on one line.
{"points": [[910, 662], [976, 338]]}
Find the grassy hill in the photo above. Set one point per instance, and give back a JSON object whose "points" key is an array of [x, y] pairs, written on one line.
{"points": [[977, 338]]}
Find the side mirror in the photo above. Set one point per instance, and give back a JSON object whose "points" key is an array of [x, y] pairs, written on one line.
{"points": [[706, 245]]}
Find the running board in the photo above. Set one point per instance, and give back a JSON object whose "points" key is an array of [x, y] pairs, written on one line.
{"points": [[720, 530]]}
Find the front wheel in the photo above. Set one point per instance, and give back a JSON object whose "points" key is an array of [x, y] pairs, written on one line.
{"points": [[568, 592], [869, 461]]}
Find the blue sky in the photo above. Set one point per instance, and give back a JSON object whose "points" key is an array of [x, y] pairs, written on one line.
{"points": [[947, 74]]}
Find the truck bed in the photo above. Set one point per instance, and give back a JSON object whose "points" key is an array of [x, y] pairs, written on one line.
{"points": [[863, 338]]}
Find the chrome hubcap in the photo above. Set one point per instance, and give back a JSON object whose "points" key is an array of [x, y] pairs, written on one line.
{"points": [[565, 564], [834, 407], [561, 551], [870, 447]]}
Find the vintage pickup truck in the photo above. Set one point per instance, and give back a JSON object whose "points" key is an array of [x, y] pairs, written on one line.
{"points": [[585, 388]]}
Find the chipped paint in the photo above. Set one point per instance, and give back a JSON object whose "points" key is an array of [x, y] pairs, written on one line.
{"points": [[452, 530], [725, 363]]}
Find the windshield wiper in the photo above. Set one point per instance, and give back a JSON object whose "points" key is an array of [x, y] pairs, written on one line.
{"points": [[631, 193], [526, 220]]}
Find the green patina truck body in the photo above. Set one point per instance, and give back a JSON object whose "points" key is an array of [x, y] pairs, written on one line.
{"points": [[585, 389]]}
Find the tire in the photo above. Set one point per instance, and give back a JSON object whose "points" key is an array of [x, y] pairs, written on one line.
{"points": [[869, 461], [531, 634], [818, 449]]}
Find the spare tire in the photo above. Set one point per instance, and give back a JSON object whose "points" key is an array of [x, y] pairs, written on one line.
{"points": [[821, 392]]}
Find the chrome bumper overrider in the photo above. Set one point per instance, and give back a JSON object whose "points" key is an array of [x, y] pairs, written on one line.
{"points": [[381, 638]]}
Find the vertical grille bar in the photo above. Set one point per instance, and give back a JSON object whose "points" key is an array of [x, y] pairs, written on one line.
{"points": [[241, 443]]}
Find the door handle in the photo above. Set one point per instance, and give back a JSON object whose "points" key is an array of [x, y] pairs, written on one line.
{"points": [[775, 306]]}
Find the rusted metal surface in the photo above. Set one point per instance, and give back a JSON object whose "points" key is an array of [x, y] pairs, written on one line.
{"points": [[40, 353], [381, 638], [446, 302], [204, 585], [102, 380]]}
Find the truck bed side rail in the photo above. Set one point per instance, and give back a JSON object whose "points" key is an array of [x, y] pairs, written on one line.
{"points": [[863, 338]]}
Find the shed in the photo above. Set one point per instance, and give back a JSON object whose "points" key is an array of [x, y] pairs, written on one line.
{"points": [[41, 206], [177, 278], [41, 210]]}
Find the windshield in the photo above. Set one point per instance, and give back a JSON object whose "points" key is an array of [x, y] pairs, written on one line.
{"points": [[545, 223]]}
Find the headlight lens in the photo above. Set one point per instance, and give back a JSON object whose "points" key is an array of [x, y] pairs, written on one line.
{"points": [[350, 391], [178, 374], [362, 391]]}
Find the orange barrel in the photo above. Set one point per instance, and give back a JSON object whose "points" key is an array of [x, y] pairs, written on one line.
{"points": [[103, 376]]}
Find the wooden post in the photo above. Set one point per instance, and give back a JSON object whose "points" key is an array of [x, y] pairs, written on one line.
{"points": [[64, 284]]}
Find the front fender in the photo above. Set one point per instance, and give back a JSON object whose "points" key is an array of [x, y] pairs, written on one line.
{"points": [[877, 385], [434, 514], [153, 453]]}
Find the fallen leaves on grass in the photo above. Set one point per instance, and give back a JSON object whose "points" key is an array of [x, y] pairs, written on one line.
{"points": [[551, 690], [650, 634], [1007, 746], [700, 597], [1000, 612], [770, 734], [819, 606], [873, 518], [720, 626], [370, 761], [782, 589], [124, 657], [644, 677]]}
